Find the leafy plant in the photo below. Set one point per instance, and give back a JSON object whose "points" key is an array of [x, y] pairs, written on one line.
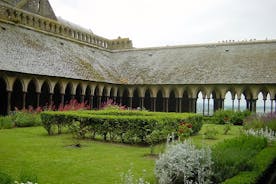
{"points": [[210, 133], [233, 155], [6, 122], [226, 128], [184, 163], [184, 130], [5, 178]]}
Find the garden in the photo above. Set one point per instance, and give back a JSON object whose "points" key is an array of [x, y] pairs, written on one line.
{"points": [[115, 145]]}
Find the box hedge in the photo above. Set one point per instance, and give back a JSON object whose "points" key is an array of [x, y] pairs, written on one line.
{"points": [[117, 125]]}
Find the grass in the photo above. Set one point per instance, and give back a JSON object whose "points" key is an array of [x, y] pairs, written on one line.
{"points": [[53, 160]]}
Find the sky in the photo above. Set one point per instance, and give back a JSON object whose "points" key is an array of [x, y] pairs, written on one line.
{"points": [[150, 23]]}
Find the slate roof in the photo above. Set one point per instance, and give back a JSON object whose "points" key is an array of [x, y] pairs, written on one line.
{"points": [[31, 52]]}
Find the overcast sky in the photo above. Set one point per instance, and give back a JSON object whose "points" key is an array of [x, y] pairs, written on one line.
{"points": [[172, 22]]}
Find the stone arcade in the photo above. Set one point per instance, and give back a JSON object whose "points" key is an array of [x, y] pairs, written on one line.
{"points": [[46, 60]]}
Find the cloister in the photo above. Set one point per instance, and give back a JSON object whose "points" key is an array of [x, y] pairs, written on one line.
{"points": [[45, 61], [24, 91]]}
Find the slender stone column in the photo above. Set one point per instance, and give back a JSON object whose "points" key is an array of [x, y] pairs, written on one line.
{"points": [[9, 102], [141, 102], [192, 105], [90, 99], [62, 99], [253, 105], [264, 105], [154, 104], [24, 100], [50, 99], [233, 105], [208, 110], [166, 104], [239, 104], [180, 105], [271, 105], [99, 102], [130, 103], [203, 106], [82, 98], [176, 105], [37, 99], [248, 105], [222, 103]]}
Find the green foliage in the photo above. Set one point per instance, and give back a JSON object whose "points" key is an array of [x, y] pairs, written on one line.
{"points": [[260, 163], [26, 119], [6, 122], [123, 126], [210, 133], [261, 122], [233, 156], [226, 128], [27, 175], [228, 116], [5, 178]]}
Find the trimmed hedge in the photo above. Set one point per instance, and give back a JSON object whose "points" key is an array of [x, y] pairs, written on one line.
{"points": [[261, 162], [235, 155], [117, 125], [228, 116]]}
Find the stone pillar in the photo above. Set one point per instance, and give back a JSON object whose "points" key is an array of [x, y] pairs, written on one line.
{"points": [[179, 105], [50, 99], [233, 105], [192, 105], [264, 105], [24, 100], [37, 99], [91, 101], [248, 105], [130, 103], [208, 108], [203, 106], [271, 105], [9, 102], [239, 104], [153, 104], [222, 103], [176, 105], [166, 104], [62, 99], [141, 102], [82, 98], [253, 105], [99, 102]]}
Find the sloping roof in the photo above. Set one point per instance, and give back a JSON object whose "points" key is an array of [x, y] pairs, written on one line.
{"points": [[27, 51], [231, 63]]}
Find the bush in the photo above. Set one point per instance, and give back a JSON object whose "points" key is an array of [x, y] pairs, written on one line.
{"points": [[5, 179], [260, 163], [124, 126], [228, 116], [6, 122], [261, 122], [183, 163], [234, 155], [26, 119]]}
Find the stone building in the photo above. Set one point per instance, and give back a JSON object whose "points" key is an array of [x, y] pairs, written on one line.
{"points": [[46, 60]]}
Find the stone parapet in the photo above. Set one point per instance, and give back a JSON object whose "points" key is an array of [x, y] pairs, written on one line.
{"points": [[42, 24]]}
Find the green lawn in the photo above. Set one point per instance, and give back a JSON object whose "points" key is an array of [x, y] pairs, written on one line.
{"points": [[54, 161]]}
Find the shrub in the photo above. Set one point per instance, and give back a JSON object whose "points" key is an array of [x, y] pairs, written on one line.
{"points": [[260, 164], [228, 116], [26, 119], [210, 133], [124, 126], [128, 178], [6, 122], [5, 178], [261, 121], [226, 128], [183, 163], [234, 155]]}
